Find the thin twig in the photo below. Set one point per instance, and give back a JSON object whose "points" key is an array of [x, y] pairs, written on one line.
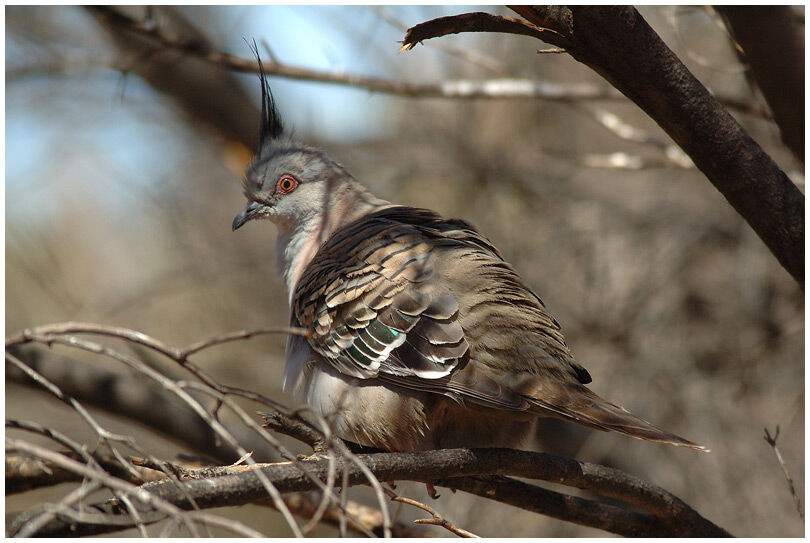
{"points": [[44, 334], [771, 440], [105, 436], [436, 520]]}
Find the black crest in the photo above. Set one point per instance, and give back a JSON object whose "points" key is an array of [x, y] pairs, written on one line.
{"points": [[271, 120]]}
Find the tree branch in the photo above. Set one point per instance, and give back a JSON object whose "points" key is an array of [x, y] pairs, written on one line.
{"points": [[619, 45], [473, 22], [671, 518]]}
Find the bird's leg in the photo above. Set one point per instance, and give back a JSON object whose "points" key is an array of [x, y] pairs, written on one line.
{"points": [[431, 490], [393, 484]]}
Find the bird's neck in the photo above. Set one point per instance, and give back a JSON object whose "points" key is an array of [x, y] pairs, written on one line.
{"points": [[298, 243]]}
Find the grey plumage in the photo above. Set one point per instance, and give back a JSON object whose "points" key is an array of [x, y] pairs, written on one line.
{"points": [[421, 334]]}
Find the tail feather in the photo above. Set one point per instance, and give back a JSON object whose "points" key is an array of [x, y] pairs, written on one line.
{"points": [[587, 408], [547, 394]]}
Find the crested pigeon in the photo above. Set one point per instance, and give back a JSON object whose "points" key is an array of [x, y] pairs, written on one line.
{"points": [[421, 336]]}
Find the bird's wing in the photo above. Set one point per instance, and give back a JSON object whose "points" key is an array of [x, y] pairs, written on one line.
{"points": [[382, 296], [370, 301]]}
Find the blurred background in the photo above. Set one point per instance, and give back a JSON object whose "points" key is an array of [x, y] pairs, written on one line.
{"points": [[123, 169]]}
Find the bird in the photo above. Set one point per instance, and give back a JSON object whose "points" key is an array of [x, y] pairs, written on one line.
{"points": [[420, 335]]}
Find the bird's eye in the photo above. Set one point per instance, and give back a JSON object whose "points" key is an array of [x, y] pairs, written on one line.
{"points": [[286, 184]]}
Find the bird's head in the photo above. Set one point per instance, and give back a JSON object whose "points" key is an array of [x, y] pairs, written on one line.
{"points": [[292, 184]]}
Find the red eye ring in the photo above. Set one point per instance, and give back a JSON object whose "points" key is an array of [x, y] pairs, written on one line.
{"points": [[286, 184]]}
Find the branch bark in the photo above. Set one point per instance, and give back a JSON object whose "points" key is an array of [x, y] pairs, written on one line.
{"points": [[619, 45]]}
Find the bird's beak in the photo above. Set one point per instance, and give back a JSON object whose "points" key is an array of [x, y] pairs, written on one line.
{"points": [[250, 211]]}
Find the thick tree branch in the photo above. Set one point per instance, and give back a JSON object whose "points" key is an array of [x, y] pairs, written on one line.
{"points": [[619, 45]]}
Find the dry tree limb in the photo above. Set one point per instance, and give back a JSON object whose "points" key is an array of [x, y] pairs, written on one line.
{"points": [[135, 398], [435, 520], [296, 428], [115, 483], [618, 44], [476, 58], [474, 22], [25, 473], [666, 515], [499, 88], [165, 383]]}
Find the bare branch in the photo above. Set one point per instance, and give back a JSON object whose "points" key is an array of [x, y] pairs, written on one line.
{"points": [[167, 384], [211, 388], [436, 520], [671, 517], [473, 57], [110, 482], [619, 45], [771, 440], [474, 22], [24, 473], [299, 429], [134, 398]]}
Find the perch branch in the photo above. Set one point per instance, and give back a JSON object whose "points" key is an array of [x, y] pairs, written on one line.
{"points": [[485, 471]]}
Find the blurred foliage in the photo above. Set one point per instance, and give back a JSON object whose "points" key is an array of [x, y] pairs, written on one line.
{"points": [[118, 210]]}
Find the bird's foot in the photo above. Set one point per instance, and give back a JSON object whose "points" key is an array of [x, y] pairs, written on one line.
{"points": [[431, 490]]}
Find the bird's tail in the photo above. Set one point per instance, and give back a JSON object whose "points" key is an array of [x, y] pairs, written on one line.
{"points": [[575, 402]]}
